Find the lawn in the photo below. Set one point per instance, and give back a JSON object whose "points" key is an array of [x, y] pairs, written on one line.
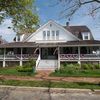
{"points": [[80, 85], [14, 71]]}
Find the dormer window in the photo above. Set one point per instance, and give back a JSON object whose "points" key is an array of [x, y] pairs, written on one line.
{"points": [[86, 36], [18, 39]]}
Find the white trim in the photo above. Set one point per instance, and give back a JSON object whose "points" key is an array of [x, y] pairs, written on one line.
{"points": [[55, 24]]}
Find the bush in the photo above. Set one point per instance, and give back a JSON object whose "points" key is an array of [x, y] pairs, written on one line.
{"points": [[85, 66], [64, 64], [77, 66], [90, 66], [28, 67], [97, 66], [24, 69]]}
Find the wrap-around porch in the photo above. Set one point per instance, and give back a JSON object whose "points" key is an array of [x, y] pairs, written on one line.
{"points": [[22, 52]]}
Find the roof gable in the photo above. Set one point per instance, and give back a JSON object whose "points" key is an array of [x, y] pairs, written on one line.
{"points": [[55, 24]]}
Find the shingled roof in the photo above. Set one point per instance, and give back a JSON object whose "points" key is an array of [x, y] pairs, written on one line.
{"points": [[77, 31], [18, 44]]}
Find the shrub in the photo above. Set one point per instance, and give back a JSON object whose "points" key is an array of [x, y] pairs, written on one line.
{"points": [[90, 66], [24, 69], [97, 66], [32, 62], [77, 66], [56, 70], [70, 66], [64, 64], [85, 66], [28, 67]]}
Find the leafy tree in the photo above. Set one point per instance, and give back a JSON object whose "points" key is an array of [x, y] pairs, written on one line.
{"points": [[22, 12], [72, 6]]}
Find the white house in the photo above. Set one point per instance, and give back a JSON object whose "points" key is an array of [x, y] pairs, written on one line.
{"points": [[50, 45]]}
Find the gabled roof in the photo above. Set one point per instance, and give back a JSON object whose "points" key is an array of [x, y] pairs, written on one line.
{"points": [[51, 21], [77, 30]]}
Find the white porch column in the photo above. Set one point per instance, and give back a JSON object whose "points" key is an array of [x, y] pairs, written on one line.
{"points": [[21, 59], [4, 62], [79, 62], [58, 58]]}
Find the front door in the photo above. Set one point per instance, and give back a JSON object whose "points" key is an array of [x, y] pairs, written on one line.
{"points": [[49, 53]]}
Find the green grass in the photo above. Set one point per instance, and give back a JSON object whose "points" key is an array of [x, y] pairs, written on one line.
{"points": [[13, 71], [76, 73], [80, 85]]}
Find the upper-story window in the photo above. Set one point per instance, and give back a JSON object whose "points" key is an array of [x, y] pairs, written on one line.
{"points": [[57, 35], [48, 35], [44, 35], [53, 35], [86, 36], [18, 38]]}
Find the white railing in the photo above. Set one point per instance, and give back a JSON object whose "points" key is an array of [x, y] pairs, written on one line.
{"points": [[18, 56], [76, 56], [37, 61]]}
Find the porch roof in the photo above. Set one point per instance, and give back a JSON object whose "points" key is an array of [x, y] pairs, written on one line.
{"points": [[72, 43], [60, 44], [18, 44]]}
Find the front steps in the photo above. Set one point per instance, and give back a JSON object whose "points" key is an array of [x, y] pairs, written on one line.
{"points": [[47, 65]]}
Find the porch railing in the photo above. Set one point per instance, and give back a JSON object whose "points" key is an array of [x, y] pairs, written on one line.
{"points": [[18, 56], [82, 56]]}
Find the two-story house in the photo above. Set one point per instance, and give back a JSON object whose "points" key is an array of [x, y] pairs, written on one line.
{"points": [[50, 45]]}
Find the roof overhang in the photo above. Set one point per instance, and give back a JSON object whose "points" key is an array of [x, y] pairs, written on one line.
{"points": [[60, 44]]}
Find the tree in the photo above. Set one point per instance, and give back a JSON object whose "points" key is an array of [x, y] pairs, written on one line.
{"points": [[72, 6], [22, 12]]}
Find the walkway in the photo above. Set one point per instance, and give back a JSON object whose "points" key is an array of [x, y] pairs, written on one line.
{"points": [[45, 76]]}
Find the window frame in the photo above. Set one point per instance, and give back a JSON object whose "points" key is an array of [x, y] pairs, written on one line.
{"points": [[57, 34], [44, 35]]}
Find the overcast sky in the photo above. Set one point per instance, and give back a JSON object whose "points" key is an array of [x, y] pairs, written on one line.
{"points": [[46, 13]]}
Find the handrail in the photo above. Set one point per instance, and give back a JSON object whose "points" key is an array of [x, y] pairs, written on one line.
{"points": [[37, 61]]}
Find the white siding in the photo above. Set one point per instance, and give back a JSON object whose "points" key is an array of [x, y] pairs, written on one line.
{"points": [[63, 34]]}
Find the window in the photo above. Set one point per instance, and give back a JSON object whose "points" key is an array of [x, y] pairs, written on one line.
{"points": [[18, 38], [44, 35], [50, 25], [57, 35], [86, 36], [53, 35], [48, 35]]}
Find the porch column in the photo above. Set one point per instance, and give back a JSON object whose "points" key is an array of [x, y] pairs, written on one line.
{"points": [[4, 62], [21, 59], [79, 62], [58, 58]]}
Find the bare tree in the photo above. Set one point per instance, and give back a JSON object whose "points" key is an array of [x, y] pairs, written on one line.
{"points": [[70, 7]]}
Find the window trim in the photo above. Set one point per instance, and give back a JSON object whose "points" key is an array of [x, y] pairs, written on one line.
{"points": [[44, 35]]}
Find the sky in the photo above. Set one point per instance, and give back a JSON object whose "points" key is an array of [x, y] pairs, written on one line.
{"points": [[47, 12]]}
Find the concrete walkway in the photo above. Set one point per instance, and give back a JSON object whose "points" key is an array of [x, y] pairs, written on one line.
{"points": [[45, 76]]}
